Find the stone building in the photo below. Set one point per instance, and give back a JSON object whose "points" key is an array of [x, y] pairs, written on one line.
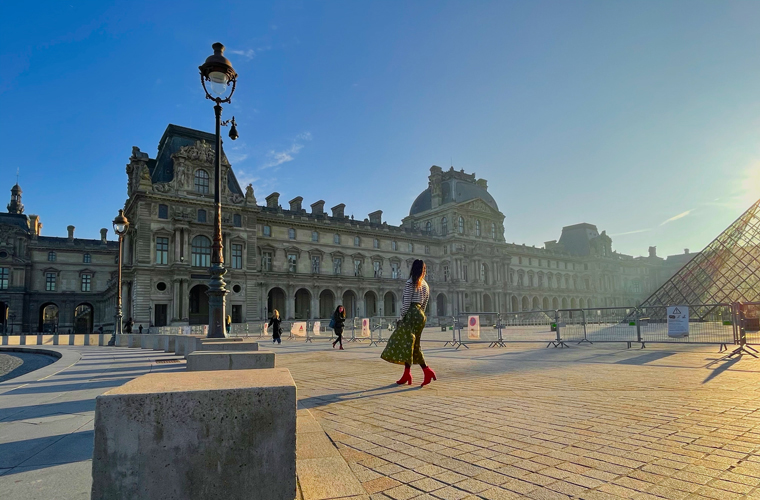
{"points": [[302, 262]]}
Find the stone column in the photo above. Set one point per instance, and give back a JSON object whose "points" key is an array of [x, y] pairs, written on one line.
{"points": [[177, 244], [290, 301], [315, 303], [176, 294]]}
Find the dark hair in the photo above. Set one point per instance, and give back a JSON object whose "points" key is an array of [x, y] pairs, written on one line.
{"points": [[337, 311], [417, 272]]}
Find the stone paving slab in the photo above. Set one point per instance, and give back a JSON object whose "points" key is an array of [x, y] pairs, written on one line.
{"points": [[590, 422]]}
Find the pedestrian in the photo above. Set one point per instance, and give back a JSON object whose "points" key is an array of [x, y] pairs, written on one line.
{"points": [[336, 323], [100, 330], [403, 346], [128, 326], [274, 322], [228, 324], [140, 329]]}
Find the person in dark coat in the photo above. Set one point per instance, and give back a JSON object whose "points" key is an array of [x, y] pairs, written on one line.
{"points": [[339, 319], [128, 326], [274, 322]]}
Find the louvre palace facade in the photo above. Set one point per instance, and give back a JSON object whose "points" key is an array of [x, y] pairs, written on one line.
{"points": [[301, 261]]}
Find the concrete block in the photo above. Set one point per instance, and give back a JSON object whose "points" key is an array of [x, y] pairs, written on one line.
{"points": [[146, 340], [158, 342], [169, 343], [195, 345], [134, 339], [122, 340], [228, 346], [217, 360], [197, 435]]}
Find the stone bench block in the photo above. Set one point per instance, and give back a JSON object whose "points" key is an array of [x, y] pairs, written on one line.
{"points": [[219, 360], [197, 435], [122, 340], [169, 343], [158, 342], [228, 346], [134, 339], [196, 346], [147, 341]]}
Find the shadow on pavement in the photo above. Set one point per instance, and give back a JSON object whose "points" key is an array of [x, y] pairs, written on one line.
{"points": [[315, 401]]}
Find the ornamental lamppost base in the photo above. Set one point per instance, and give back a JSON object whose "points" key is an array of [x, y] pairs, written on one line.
{"points": [[216, 293]]}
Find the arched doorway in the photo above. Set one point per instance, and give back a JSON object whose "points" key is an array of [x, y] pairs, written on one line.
{"points": [[276, 300], [349, 303], [515, 307], [555, 303], [83, 319], [564, 303], [440, 303], [573, 304], [389, 304], [370, 304], [487, 305], [199, 305], [525, 304], [48, 318], [302, 304], [545, 304], [590, 303], [535, 304], [582, 303], [326, 304]]}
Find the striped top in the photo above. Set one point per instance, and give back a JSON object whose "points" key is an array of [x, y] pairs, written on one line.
{"points": [[420, 295]]}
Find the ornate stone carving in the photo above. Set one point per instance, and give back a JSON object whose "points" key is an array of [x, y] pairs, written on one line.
{"points": [[250, 199], [163, 187]]}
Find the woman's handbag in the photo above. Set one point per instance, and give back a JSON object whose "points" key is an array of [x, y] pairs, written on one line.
{"points": [[332, 323]]}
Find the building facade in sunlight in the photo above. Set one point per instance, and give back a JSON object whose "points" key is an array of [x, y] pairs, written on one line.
{"points": [[300, 259]]}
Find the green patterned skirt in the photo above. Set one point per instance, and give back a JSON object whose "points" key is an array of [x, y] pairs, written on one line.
{"points": [[404, 344]]}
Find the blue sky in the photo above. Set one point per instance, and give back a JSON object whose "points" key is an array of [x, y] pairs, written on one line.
{"points": [[640, 117]]}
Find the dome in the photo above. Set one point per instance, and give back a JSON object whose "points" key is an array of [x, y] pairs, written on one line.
{"points": [[453, 191]]}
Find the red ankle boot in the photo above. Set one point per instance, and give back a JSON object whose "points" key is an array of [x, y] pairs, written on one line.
{"points": [[429, 376], [407, 377]]}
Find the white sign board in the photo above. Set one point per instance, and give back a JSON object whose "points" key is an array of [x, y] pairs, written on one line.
{"points": [[678, 321], [365, 327], [473, 327], [298, 329], [317, 326]]}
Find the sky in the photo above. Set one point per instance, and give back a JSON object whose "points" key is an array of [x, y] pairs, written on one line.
{"points": [[640, 117]]}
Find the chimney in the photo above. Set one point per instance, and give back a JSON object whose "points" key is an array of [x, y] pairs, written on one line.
{"points": [[337, 210], [273, 200], [71, 233], [318, 207], [103, 234], [376, 217], [686, 251], [653, 251], [295, 204], [482, 183]]}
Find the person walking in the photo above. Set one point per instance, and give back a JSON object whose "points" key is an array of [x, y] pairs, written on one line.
{"points": [[228, 323], [403, 346], [274, 322], [338, 321]]}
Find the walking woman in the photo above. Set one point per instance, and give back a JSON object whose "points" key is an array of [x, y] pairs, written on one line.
{"points": [[403, 346], [338, 320], [274, 322]]}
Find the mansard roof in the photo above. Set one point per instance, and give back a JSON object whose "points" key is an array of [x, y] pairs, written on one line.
{"points": [[18, 220], [456, 187], [174, 138]]}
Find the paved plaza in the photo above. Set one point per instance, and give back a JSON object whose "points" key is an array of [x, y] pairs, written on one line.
{"points": [[594, 421]]}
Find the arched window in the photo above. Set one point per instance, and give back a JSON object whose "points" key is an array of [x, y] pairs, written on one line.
{"points": [[291, 234], [477, 228], [493, 230], [51, 256], [201, 251], [461, 225], [87, 258], [444, 226], [428, 227], [314, 236], [201, 181]]}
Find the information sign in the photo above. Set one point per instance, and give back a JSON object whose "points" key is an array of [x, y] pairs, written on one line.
{"points": [[678, 321]]}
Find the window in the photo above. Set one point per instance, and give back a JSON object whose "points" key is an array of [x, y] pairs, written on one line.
{"points": [[446, 273], [530, 280], [477, 228], [266, 261], [315, 264], [336, 239], [51, 256], [357, 267], [237, 256], [519, 260], [540, 280], [587, 284], [201, 215], [635, 286], [237, 220], [530, 261], [291, 234], [427, 249], [585, 267], [201, 181], [493, 230], [357, 241], [428, 227], [86, 282], [394, 245], [445, 249], [163, 211], [292, 262], [4, 281], [464, 272], [376, 243], [266, 230], [337, 265], [378, 269], [201, 251], [394, 270], [314, 236], [483, 274], [162, 250], [410, 247], [444, 226], [461, 225], [50, 282], [87, 258]]}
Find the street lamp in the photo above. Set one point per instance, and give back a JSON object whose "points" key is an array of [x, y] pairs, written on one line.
{"points": [[218, 72], [120, 226]]}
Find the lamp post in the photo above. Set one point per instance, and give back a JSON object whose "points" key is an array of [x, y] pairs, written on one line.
{"points": [[218, 72], [120, 226]]}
